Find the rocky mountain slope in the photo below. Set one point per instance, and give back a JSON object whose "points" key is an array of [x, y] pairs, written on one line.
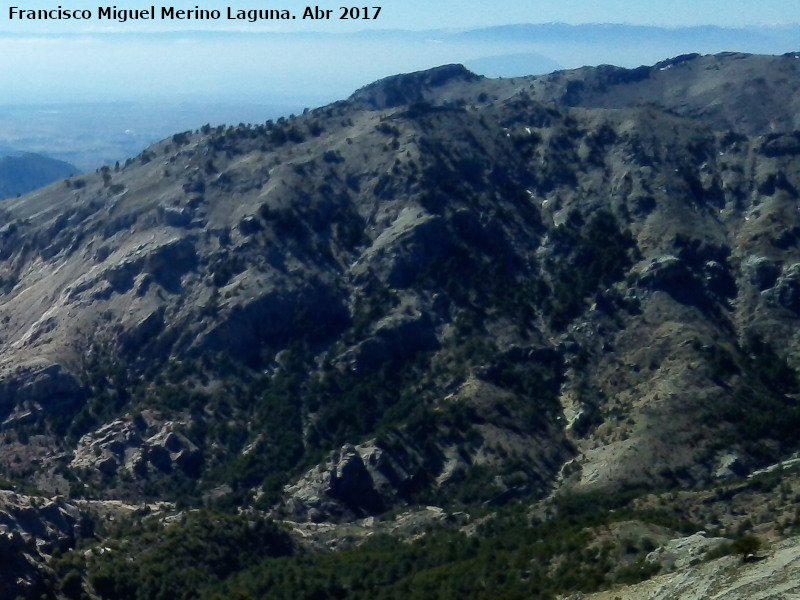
{"points": [[445, 290], [774, 577], [32, 529], [745, 93]]}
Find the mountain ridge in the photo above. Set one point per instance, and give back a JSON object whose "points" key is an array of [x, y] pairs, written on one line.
{"points": [[170, 254], [446, 290]]}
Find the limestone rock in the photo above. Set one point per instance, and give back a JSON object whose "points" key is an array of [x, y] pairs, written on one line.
{"points": [[664, 272], [123, 444], [31, 529], [39, 385], [786, 292], [354, 482], [760, 271], [683, 552], [772, 578], [729, 466]]}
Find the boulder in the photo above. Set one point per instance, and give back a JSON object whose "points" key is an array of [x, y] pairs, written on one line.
{"points": [[786, 292], [176, 216], [664, 272], [123, 445], [354, 482], [31, 529], [760, 271], [686, 551]]}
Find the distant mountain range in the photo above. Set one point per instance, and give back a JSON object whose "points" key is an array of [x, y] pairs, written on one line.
{"points": [[188, 64], [174, 84], [23, 173]]}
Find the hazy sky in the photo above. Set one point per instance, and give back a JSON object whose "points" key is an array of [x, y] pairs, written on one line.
{"points": [[39, 63], [61, 62], [423, 14], [437, 14]]}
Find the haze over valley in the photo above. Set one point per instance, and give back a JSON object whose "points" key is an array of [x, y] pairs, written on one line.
{"points": [[93, 98]]}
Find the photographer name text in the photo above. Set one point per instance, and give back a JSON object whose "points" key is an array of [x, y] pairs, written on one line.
{"points": [[170, 13]]}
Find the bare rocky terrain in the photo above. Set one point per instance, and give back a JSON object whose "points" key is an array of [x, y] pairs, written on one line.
{"points": [[479, 296], [771, 577]]}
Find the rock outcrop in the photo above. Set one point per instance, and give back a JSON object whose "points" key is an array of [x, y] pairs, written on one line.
{"points": [[683, 552], [31, 529], [355, 482], [772, 577], [136, 447], [786, 292], [35, 387]]}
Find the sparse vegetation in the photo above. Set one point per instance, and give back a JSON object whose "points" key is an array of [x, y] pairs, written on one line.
{"points": [[360, 312]]}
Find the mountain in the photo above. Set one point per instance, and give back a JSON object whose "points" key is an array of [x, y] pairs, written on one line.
{"points": [[479, 336], [20, 174], [740, 92]]}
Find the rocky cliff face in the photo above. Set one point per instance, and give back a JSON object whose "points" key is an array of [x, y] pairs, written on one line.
{"points": [[31, 530], [444, 290]]}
